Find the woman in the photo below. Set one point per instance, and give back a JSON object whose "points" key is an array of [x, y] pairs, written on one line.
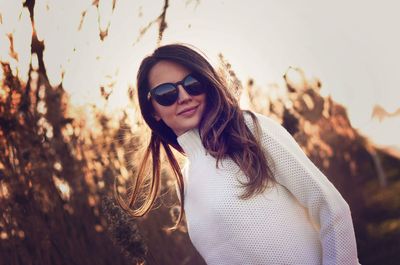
{"points": [[249, 193]]}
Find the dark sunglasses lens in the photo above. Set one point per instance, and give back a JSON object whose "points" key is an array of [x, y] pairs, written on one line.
{"points": [[193, 86], [165, 94]]}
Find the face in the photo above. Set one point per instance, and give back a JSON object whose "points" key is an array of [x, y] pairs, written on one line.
{"points": [[187, 111]]}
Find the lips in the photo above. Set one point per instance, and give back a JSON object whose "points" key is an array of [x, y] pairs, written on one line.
{"points": [[188, 110]]}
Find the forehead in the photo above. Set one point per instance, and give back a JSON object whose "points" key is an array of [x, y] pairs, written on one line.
{"points": [[166, 71]]}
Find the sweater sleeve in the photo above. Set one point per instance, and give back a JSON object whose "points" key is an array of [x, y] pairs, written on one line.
{"points": [[184, 172], [327, 208]]}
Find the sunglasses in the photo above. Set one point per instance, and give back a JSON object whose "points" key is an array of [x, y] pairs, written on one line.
{"points": [[166, 94]]}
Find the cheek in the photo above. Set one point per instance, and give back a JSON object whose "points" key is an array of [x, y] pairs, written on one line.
{"points": [[162, 112], [201, 98], [157, 111]]}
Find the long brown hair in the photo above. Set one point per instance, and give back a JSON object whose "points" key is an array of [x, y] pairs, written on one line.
{"points": [[222, 130]]}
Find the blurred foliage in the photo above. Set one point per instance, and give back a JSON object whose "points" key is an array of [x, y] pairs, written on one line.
{"points": [[58, 164], [367, 176]]}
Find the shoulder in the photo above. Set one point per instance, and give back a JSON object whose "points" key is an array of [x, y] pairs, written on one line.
{"points": [[270, 130], [267, 124]]}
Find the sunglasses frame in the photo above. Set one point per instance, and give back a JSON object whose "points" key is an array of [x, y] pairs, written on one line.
{"points": [[150, 93]]}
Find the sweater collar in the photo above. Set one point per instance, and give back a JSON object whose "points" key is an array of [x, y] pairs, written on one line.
{"points": [[191, 144]]}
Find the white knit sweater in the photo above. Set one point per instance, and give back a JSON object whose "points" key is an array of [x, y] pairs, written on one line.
{"points": [[301, 220]]}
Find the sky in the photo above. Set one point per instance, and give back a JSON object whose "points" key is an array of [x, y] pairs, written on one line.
{"points": [[351, 46]]}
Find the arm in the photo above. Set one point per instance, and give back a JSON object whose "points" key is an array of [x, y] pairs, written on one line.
{"points": [[294, 170]]}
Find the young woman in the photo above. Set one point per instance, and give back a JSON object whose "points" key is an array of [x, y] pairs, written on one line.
{"points": [[249, 193]]}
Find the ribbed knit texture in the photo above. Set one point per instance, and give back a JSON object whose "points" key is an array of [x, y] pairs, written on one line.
{"points": [[303, 219]]}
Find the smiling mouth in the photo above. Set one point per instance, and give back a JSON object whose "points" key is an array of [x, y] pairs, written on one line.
{"points": [[188, 111]]}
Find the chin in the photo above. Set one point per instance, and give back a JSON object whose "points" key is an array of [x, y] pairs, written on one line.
{"points": [[189, 125]]}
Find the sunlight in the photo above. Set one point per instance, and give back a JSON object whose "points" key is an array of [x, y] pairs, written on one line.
{"points": [[296, 78], [4, 192], [15, 34], [244, 100], [105, 13], [84, 59], [4, 45], [63, 188], [4, 91], [3, 235]]}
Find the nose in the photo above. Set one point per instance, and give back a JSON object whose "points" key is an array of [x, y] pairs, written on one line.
{"points": [[183, 95]]}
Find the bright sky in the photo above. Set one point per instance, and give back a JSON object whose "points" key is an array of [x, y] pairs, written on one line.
{"points": [[351, 46]]}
